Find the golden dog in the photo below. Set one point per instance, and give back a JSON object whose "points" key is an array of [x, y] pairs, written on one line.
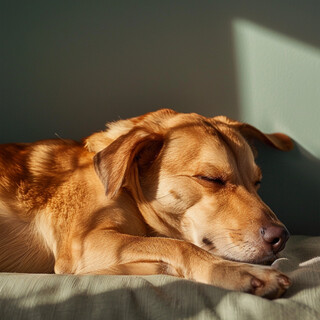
{"points": [[164, 193]]}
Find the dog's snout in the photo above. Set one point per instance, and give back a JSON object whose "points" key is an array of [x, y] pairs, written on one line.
{"points": [[275, 236]]}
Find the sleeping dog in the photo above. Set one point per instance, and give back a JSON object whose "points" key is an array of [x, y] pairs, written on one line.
{"points": [[163, 193]]}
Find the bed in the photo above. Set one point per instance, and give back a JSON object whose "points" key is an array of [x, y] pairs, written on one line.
{"points": [[45, 296]]}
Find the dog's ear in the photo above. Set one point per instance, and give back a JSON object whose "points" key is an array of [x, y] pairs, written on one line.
{"points": [[277, 140], [113, 164]]}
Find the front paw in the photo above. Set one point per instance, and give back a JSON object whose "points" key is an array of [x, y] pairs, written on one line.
{"points": [[255, 279], [264, 281]]}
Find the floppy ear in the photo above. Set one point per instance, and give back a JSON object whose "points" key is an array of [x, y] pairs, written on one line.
{"points": [[113, 163], [277, 140]]}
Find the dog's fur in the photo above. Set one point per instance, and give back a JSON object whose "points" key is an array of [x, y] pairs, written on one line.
{"points": [[164, 193]]}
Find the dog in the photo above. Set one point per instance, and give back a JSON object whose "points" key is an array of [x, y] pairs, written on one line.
{"points": [[163, 193]]}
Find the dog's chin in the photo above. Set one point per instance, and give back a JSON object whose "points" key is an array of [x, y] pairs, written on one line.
{"points": [[265, 260]]}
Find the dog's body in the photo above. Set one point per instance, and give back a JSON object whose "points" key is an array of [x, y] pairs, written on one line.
{"points": [[162, 193]]}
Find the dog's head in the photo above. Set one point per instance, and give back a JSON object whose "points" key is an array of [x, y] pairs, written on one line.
{"points": [[194, 178]]}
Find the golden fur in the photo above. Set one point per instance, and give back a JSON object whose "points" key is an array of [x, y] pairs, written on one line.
{"points": [[136, 199]]}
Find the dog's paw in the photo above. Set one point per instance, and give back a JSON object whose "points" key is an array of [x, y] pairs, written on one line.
{"points": [[263, 281], [255, 279]]}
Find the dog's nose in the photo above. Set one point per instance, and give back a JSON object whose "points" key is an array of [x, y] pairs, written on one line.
{"points": [[275, 236]]}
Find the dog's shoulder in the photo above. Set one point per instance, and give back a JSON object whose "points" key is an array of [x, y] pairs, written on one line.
{"points": [[23, 165]]}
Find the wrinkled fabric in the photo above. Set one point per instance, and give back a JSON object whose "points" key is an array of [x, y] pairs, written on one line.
{"points": [[44, 296]]}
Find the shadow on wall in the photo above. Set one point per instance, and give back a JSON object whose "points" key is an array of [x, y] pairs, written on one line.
{"points": [[291, 187], [68, 68]]}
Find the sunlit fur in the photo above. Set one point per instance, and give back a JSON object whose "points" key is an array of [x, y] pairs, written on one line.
{"points": [[132, 200]]}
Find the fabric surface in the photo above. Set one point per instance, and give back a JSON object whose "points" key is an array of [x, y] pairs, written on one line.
{"points": [[43, 296]]}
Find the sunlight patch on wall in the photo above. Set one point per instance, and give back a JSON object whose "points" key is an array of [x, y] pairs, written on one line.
{"points": [[279, 83]]}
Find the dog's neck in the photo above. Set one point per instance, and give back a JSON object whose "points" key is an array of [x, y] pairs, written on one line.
{"points": [[156, 225]]}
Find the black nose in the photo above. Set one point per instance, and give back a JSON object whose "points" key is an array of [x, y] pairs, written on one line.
{"points": [[275, 236]]}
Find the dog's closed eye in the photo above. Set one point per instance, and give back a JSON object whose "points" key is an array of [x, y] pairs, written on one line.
{"points": [[215, 180]]}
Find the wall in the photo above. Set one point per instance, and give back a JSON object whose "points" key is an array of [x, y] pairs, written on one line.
{"points": [[68, 67]]}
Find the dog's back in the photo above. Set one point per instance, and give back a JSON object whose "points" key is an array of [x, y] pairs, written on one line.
{"points": [[29, 176]]}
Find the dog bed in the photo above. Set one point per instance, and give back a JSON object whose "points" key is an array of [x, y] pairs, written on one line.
{"points": [[44, 296]]}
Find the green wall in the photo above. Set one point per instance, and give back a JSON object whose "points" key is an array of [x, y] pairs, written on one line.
{"points": [[68, 67]]}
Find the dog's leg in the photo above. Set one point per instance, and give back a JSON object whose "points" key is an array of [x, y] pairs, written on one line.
{"points": [[114, 253]]}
